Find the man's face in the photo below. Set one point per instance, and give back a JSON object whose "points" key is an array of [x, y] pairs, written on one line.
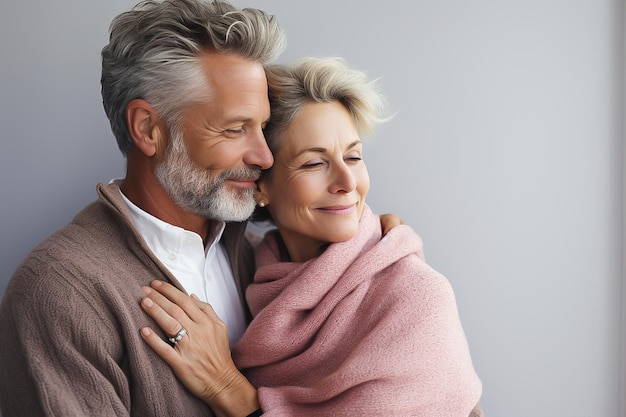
{"points": [[214, 159]]}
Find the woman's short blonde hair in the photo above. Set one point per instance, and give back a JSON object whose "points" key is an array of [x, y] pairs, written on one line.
{"points": [[320, 80]]}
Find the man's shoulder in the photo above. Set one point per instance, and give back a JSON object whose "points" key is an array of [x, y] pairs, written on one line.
{"points": [[81, 234], [88, 243]]}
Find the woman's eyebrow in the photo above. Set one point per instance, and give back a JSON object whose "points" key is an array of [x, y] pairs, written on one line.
{"points": [[319, 149]]}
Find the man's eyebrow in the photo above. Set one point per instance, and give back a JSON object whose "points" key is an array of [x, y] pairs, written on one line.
{"points": [[235, 118]]}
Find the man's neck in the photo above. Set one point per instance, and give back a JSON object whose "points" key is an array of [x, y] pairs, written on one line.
{"points": [[153, 199]]}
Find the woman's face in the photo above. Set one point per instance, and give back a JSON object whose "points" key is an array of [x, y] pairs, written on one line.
{"points": [[316, 191]]}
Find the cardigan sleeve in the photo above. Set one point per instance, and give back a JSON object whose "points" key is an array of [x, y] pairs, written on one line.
{"points": [[59, 354]]}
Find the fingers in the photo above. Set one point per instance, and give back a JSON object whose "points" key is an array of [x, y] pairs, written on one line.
{"points": [[175, 296], [192, 308], [165, 320], [206, 308], [388, 221], [173, 310], [191, 305], [170, 291], [162, 348]]}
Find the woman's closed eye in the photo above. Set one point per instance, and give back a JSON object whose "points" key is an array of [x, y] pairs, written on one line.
{"points": [[353, 157], [313, 163]]}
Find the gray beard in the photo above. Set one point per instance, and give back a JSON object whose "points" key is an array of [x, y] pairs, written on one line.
{"points": [[201, 193]]}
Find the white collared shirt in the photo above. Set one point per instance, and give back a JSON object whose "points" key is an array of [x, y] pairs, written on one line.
{"points": [[205, 272]]}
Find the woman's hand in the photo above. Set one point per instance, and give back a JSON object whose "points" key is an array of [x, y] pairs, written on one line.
{"points": [[201, 359]]}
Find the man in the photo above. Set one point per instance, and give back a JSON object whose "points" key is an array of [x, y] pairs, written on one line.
{"points": [[184, 88]]}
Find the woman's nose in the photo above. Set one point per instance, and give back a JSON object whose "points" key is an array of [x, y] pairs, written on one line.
{"points": [[343, 179]]}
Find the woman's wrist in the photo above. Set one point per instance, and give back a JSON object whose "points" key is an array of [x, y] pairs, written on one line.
{"points": [[238, 398]]}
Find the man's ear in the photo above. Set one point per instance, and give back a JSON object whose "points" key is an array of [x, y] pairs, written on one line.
{"points": [[145, 127]]}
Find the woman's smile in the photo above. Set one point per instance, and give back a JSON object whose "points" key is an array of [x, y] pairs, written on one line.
{"points": [[349, 209]]}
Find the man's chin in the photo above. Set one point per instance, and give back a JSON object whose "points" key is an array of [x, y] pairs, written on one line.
{"points": [[234, 211]]}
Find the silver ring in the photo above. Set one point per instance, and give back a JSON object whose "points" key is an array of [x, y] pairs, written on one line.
{"points": [[181, 333]]}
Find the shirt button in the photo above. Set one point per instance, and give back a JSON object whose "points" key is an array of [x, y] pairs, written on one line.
{"points": [[190, 240], [172, 256]]}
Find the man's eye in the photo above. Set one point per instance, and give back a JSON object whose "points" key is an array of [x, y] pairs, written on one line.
{"points": [[234, 131]]}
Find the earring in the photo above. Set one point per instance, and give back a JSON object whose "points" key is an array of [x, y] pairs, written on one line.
{"points": [[261, 204]]}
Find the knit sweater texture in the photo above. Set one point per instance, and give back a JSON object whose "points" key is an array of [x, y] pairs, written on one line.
{"points": [[71, 316], [367, 328]]}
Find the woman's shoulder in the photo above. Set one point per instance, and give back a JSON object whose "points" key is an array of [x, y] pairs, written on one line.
{"points": [[411, 278]]}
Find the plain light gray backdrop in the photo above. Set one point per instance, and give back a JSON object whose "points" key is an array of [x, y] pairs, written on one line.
{"points": [[506, 156]]}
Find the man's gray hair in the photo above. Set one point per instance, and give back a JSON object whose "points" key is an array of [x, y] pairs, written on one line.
{"points": [[153, 54]]}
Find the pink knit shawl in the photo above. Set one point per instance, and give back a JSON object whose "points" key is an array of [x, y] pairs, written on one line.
{"points": [[367, 328]]}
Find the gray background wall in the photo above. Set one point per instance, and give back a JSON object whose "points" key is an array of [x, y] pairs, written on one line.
{"points": [[506, 155]]}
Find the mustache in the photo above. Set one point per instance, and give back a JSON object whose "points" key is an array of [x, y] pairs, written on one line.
{"points": [[241, 174]]}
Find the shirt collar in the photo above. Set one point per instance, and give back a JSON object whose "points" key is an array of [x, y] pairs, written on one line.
{"points": [[162, 236]]}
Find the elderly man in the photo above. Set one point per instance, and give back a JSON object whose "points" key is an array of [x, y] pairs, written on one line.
{"points": [[184, 88]]}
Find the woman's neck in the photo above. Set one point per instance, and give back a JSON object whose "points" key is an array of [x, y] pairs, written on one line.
{"points": [[300, 250]]}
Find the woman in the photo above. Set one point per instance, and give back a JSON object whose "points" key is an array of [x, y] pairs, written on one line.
{"points": [[345, 322]]}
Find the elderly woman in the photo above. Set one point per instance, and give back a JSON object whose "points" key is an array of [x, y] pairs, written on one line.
{"points": [[345, 322]]}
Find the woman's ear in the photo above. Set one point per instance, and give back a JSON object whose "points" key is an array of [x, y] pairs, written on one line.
{"points": [[145, 128], [261, 195]]}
